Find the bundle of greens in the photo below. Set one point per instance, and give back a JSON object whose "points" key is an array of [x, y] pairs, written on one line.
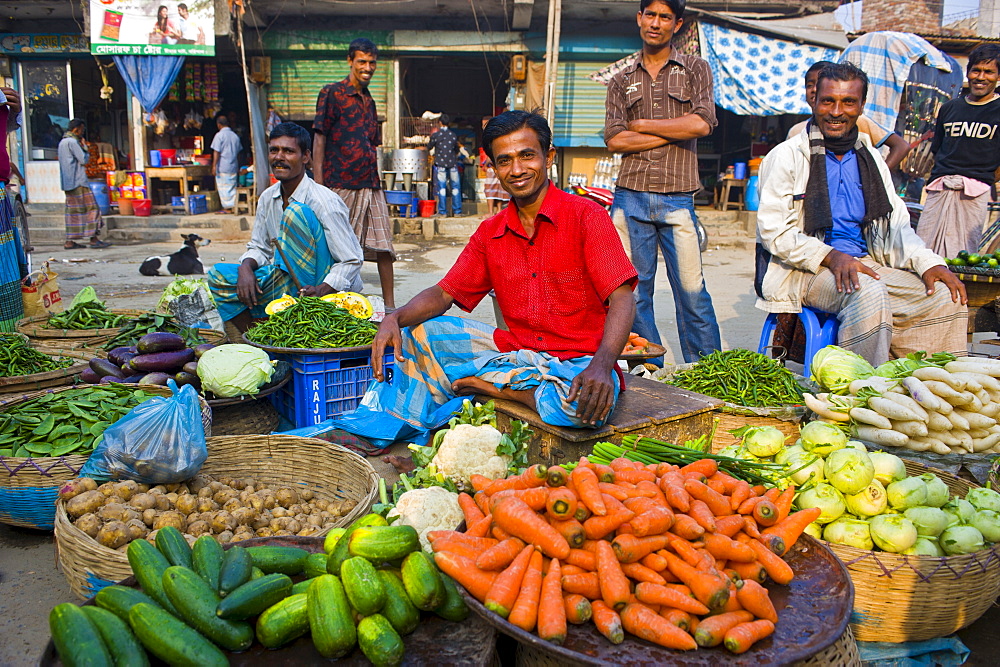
{"points": [[137, 327], [86, 311]]}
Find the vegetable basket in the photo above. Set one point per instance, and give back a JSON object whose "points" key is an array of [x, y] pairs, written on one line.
{"points": [[249, 415], [913, 598], [34, 328], [332, 472], [29, 485], [19, 384]]}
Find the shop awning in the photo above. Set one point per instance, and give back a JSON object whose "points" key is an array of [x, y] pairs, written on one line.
{"points": [[149, 77]]}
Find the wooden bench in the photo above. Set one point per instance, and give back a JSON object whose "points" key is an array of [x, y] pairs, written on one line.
{"points": [[647, 407]]}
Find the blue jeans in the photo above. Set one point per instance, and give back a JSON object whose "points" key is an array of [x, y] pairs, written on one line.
{"points": [[448, 177], [667, 221]]}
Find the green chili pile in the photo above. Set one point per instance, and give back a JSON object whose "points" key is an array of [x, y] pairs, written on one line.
{"points": [[67, 422], [18, 358], [86, 315], [741, 377], [138, 327], [313, 323]]}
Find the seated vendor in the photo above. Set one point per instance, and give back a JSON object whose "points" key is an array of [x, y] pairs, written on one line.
{"points": [[563, 285], [310, 224], [833, 235]]}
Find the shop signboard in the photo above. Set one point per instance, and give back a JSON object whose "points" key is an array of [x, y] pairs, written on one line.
{"points": [[23, 44], [152, 27]]}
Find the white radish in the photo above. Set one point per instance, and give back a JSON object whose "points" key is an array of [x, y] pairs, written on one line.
{"points": [[921, 394], [938, 422], [824, 409], [985, 444], [964, 440], [963, 398], [959, 422], [946, 437], [933, 444], [919, 444], [985, 381], [909, 403], [975, 419], [984, 396], [991, 409], [942, 389], [872, 418], [989, 361], [892, 409], [937, 374], [878, 383], [914, 429], [880, 436], [970, 367], [975, 405], [971, 380], [978, 433]]}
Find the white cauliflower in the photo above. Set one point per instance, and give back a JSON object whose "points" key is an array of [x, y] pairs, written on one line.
{"points": [[468, 450], [432, 508]]}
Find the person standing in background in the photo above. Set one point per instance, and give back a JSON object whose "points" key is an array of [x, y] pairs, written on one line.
{"points": [[225, 163], [494, 193], [13, 261], [657, 109], [444, 145], [346, 136], [83, 215], [188, 32]]}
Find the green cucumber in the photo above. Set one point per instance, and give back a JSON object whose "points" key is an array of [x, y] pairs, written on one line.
{"points": [[76, 637], [301, 587], [286, 560], [172, 640], [315, 565], [256, 573], [363, 587], [237, 568], [255, 596], [331, 620], [172, 544], [206, 559], [283, 622], [119, 599], [148, 566], [125, 649], [397, 608], [197, 604], [383, 543], [340, 552], [380, 642], [454, 607], [423, 582]]}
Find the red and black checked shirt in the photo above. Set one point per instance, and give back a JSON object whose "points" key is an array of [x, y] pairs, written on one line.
{"points": [[552, 288], [346, 117]]}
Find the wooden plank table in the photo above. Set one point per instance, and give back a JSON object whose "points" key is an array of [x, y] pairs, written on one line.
{"points": [[648, 407], [181, 174]]}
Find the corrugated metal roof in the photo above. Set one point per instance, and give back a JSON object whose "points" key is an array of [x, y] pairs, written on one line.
{"points": [[296, 82]]}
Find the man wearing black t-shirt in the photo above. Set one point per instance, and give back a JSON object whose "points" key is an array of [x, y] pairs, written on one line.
{"points": [[966, 149]]}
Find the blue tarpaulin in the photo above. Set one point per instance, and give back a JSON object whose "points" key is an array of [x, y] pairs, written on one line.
{"points": [[149, 77]]}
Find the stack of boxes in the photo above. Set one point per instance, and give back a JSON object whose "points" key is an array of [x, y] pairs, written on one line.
{"points": [[127, 185]]}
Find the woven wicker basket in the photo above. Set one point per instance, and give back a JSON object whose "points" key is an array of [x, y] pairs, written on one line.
{"points": [[34, 328], [843, 653], [29, 485], [912, 598], [20, 384], [332, 472], [246, 418]]}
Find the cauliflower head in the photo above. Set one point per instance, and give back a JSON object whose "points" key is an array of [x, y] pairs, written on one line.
{"points": [[432, 508], [468, 450]]}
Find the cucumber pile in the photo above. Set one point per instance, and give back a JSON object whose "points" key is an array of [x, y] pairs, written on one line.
{"points": [[198, 602]]}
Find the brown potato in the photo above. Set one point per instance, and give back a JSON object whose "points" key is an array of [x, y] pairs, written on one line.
{"points": [[171, 488], [308, 530], [260, 522], [197, 483], [149, 516], [306, 494], [170, 518], [143, 488], [279, 512], [222, 521], [244, 497], [216, 486], [244, 516], [142, 501], [198, 528], [250, 481], [270, 502], [162, 503], [87, 502], [88, 523], [282, 532], [75, 487], [315, 520], [256, 502], [264, 531], [223, 496], [112, 535], [293, 526], [107, 489], [207, 505], [348, 505], [232, 504], [238, 484], [250, 488], [135, 529], [127, 489], [225, 537], [131, 514], [205, 492], [301, 518], [183, 489], [286, 497], [187, 504], [151, 537], [157, 490], [295, 509], [320, 503], [326, 516], [172, 497]]}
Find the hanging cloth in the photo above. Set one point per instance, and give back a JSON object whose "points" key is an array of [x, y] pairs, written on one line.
{"points": [[149, 77]]}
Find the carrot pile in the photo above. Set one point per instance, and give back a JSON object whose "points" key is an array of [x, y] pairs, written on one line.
{"points": [[636, 343], [673, 555]]}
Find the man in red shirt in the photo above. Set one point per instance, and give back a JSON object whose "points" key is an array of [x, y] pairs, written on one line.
{"points": [[563, 284]]}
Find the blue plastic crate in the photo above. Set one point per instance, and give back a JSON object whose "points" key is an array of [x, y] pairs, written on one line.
{"points": [[325, 385]]}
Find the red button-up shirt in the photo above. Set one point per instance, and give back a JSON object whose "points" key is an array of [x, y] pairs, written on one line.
{"points": [[552, 287], [346, 117]]}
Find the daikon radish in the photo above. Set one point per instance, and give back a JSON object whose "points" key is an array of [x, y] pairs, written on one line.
{"points": [[866, 416], [876, 382], [937, 374], [943, 389], [975, 419], [880, 436], [960, 422], [984, 381], [921, 394], [938, 422], [908, 403], [978, 433], [975, 405], [991, 409], [964, 440], [971, 380], [946, 437], [973, 367], [932, 444], [914, 429], [945, 408], [980, 445], [891, 409], [824, 409]]}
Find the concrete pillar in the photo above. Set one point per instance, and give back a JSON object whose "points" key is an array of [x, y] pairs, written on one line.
{"points": [[989, 18]]}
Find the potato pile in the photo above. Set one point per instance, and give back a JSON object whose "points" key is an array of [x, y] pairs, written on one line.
{"points": [[228, 508]]}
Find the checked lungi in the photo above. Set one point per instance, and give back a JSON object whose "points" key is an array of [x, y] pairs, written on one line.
{"points": [[83, 215], [13, 266], [369, 215]]}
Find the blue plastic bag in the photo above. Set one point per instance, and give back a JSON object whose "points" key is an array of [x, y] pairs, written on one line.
{"points": [[160, 441]]}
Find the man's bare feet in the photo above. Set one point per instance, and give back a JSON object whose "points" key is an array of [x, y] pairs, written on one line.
{"points": [[474, 385], [402, 464]]}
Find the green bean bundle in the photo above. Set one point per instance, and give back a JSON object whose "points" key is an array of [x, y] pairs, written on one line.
{"points": [[742, 377], [313, 323], [18, 358], [86, 315], [138, 327]]}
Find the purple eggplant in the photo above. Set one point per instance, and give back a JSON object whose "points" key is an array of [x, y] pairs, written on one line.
{"points": [[133, 379], [108, 379], [120, 355], [103, 367], [202, 349], [89, 376], [158, 379], [191, 367], [160, 341], [183, 378], [161, 361]]}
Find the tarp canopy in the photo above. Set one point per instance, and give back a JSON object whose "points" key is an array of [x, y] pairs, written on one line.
{"points": [[149, 78]]}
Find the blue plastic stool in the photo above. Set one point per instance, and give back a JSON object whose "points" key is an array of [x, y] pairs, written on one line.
{"points": [[821, 330], [402, 200]]}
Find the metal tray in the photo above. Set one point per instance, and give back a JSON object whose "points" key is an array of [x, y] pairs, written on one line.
{"points": [[282, 374], [435, 641], [813, 613]]}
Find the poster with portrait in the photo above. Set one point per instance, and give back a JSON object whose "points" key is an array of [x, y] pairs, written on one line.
{"points": [[152, 27]]}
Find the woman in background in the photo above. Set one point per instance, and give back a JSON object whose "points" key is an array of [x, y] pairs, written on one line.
{"points": [[13, 261], [164, 30], [495, 195]]}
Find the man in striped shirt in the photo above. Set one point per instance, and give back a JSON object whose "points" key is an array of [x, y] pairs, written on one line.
{"points": [[656, 110]]}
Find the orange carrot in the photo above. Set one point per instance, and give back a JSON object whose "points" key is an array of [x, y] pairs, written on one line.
{"points": [[749, 571], [615, 590], [469, 509], [772, 494], [765, 513], [604, 473], [776, 568], [703, 514], [585, 462], [629, 548], [721, 546], [524, 613], [634, 476], [733, 603], [582, 513], [716, 502], [672, 485], [597, 527], [612, 504], [535, 475], [582, 559], [652, 522], [586, 483], [571, 529], [588, 585], [464, 571], [568, 569], [640, 504], [479, 482], [784, 503], [750, 528], [712, 630], [578, 608], [480, 528], [686, 527], [624, 529], [651, 490], [457, 547], [639, 572], [685, 549], [746, 507], [622, 463], [482, 502], [535, 498], [706, 467], [557, 476], [757, 601], [654, 562], [716, 484], [792, 527], [498, 557], [728, 482], [712, 590], [515, 517], [659, 594], [740, 638], [646, 624], [479, 542], [551, 610], [739, 494], [499, 533], [561, 504], [505, 484], [681, 619], [503, 593], [607, 621], [758, 489], [729, 525]]}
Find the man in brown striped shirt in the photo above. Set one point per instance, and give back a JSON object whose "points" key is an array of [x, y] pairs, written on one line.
{"points": [[656, 111]]}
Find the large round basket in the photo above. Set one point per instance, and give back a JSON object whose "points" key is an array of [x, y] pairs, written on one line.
{"points": [[29, 485], [332, 472], [34, 328], [912, 598], [250, 415], [20, 384]]}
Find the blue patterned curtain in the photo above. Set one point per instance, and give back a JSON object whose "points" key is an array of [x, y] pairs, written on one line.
{"points": [[149, 77]]}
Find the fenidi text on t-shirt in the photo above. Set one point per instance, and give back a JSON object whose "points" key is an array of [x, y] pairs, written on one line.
{"points": [[966, 141]]}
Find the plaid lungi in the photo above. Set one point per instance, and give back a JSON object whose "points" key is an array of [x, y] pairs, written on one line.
{"points": [[892, 316], [12, 266], [953, 217], [226, 185], [83, 215], [370, 220]]}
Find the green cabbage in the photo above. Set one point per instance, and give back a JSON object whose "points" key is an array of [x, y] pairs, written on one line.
{"points": [[937, 491], [870, 501], [763, 440], [849, 471], [961, 540], [909, 492], [930, 521], [889, 468], [893, 532], [987, 522], [984, 499], [821, 438], [850, 532], [834, 368], [234, 370], [828, 499]]}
